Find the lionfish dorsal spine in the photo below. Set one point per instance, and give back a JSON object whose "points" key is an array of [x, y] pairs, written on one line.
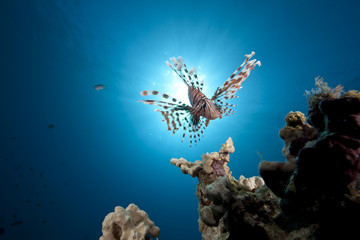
{"points": [[189, 77]]}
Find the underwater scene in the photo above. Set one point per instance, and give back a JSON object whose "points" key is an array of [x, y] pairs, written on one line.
{"points": [[179, 120]]}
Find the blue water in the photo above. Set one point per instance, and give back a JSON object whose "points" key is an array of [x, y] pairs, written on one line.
{"points": [[105, 149]]}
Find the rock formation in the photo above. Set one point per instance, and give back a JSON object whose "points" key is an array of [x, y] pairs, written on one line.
{"points": [[130, 223], [314, 194]]}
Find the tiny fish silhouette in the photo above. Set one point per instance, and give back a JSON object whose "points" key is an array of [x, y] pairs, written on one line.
{"points": [[99, 87], [194, 118], [16, 223]]}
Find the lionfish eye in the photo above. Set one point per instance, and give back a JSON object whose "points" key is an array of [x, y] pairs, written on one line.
{"points": [[204, 105]]}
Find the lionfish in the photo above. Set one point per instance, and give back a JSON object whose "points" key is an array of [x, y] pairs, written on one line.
{"points": [[194, 118]]}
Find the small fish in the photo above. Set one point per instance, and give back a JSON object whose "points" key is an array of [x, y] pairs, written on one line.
{"points": [[17, 167], [31, 169], [62, 164], [99, 87], [28, 201], [2, 231], [66, 184], [38, 204], [42, 173], [14, 215], [43, 222], [16, 185], [13, 138], [194, 118], [16, 223], [51, 126], [52, 202]]}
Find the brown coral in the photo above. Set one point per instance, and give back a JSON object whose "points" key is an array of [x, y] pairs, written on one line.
{"points": [[251, 184], [129, 223], [296, 133], [317, 188], [216, 190]]}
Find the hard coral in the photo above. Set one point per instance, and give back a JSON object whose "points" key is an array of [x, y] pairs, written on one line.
{"points": [[315, 194], [129, 223], [218, 193], [251, 184], [323, 186], [295, 130], [217, 190], [296, 133], [187, 167]]}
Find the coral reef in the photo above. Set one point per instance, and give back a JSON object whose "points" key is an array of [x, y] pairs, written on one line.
{"points": [[213, 189], [218, 191], [314, 194], [129, 223], [296, 133]]}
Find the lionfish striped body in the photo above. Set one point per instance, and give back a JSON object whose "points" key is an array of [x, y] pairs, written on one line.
{"points": [[194, 118]]}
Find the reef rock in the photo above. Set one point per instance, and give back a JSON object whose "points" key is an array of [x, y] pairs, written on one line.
{"points": [[251, 184], [296, 133], [217, 191], [130, 223], [314, 194]]}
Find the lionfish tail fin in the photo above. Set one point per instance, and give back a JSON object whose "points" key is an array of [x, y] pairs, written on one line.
{"points": [[189, 77], [233, 83]]}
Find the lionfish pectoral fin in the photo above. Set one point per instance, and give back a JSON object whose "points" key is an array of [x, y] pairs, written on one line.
{"points": [[233, 84], [173, 111]]}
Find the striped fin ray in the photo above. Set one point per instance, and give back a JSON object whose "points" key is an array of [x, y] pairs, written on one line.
{"points": [[178, 64], [174, 112], [181, 120], [195, 81], [178, 116], [225, 108], [234, 82], [163, 95], [175, 119], [196, 131], [190, 77]]}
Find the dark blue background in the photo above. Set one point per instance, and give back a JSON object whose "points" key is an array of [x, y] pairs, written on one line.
{"points": [[106, 149]]}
